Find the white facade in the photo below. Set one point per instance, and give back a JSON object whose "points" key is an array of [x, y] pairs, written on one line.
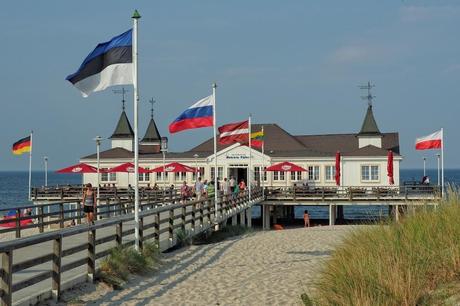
{"points": [[233, 160]]}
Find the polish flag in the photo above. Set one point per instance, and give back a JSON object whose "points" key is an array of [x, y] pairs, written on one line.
{"points": [[432, 141], [234, 132]]}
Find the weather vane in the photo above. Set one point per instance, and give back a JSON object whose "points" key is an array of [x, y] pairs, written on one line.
{"points": [[369, 96], [123, 92], [152, 101]]}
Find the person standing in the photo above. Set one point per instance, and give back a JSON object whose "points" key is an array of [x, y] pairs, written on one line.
{"points": [[232, 184], [184, 192], [225, 188], [306, 218], [205, 188], [89, 203], [242, 185], [198, 188]]}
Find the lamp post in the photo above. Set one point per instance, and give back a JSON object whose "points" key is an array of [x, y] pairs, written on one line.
{"points": [[98, 140], [45, 159], [439, 168], [196, 165], [424, 166], [164, 149]]}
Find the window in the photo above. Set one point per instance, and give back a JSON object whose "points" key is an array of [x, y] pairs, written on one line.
{"points": [[200, 173], [220, 173], [369, 173], [160, 176], [144, 177], [296, 176], [108, 177], [278, 175], [180, 176], [313, 173], [330, 173]]}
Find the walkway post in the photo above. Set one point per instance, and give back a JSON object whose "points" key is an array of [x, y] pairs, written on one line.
{"points": [[216, 191], [136, 18]]}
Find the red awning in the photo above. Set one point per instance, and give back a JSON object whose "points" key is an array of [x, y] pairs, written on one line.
{"points": [[127, 168], [79, 168], [391, 180], [174, 167], [285, 166], [337, 168]]}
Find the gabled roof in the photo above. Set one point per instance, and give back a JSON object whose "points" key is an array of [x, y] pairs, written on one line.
{"points": [[112, 153], [151, 134], [369, 127], [123, 129]]}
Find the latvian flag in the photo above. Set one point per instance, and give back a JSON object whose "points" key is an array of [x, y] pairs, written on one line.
{"points": [[22, 146], [196, 116], [432, 141], [111, 63], [234, 132]]}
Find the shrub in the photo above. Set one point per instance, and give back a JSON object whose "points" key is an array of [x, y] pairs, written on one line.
{"points": [[396, 264], [184, 237]]}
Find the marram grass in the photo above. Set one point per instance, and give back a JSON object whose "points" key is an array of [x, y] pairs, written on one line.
{"points": [[395, 264]]}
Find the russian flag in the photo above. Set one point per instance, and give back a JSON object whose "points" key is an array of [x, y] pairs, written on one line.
{"points": [[196, 116], [432, 141], [109, 64]]}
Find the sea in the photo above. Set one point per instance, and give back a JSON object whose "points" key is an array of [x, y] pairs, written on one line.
{"points": [[14, 191]]}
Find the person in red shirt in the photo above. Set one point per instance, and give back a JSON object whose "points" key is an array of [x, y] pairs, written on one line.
{"points": [[242, 185]]}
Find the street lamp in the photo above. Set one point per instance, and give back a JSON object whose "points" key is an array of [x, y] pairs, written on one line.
{"points": [[196, 165], [98, 140], [164, 149], [45, 159]]}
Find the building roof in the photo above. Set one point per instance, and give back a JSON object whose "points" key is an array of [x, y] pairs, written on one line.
{"points": [[151, 134], [123, 129], [369, 127]]}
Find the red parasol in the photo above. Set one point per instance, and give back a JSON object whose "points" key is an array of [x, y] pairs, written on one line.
{"points": [[285, 166], [127, 168], [174, 167], [390, 167], [78, 168], [337, 168]]}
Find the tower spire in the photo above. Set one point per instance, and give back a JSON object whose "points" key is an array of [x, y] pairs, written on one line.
{"points": [[152, 101], [121, 92]]}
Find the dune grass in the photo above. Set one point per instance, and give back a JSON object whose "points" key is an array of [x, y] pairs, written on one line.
{"points": [[123, 261], [395, 264]]}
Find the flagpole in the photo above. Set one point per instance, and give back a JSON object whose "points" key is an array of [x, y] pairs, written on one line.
{"points": [[250, 158], [263, 164], [30, 164], [136, 18], [442, 162], [214, 86]]}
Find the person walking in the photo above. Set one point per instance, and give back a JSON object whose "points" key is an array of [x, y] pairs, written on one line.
{"points": [[198, 189], [205, 188], [184, 192], [306, 218], [89, 203]]}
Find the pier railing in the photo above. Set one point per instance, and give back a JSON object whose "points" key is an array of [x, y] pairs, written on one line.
{"points": [[161, 222], [353, 193], [59, 214]]}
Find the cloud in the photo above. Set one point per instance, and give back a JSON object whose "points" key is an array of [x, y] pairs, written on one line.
{"points": [[243, 71], [426, 13], [452, 68], [360, 53]]}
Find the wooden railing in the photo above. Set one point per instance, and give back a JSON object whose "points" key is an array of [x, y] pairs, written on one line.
{"points": [[353, 193], [59, 213], [197, 216]]}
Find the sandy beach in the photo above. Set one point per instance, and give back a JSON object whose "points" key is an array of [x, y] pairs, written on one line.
{"points": [[262, 268]]}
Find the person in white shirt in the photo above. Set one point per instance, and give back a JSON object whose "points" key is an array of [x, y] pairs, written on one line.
{"points": [[232, 183]]}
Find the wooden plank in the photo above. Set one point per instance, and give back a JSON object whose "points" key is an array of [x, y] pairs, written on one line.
{"points": [[32, 281], [106, 239], [6, 284], [56, 275], [91, 267], [78, 263], [74, 249], [32, 262]]}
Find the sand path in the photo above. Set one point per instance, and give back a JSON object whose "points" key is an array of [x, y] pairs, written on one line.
{"points": [[263, 268]]}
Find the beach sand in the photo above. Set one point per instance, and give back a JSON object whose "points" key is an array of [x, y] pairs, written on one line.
{"points": [[261, 268]]}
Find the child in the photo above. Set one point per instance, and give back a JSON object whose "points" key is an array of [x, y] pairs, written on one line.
{"points": [[306, 218]]}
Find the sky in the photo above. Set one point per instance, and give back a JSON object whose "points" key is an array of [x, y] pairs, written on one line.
{"points": [[295, 63]]}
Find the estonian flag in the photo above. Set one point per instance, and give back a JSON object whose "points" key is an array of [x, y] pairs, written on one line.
{"points": [[110, 63]]}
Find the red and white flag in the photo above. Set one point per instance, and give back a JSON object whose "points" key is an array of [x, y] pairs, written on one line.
{"points": [[234, 132], [432, 141]]}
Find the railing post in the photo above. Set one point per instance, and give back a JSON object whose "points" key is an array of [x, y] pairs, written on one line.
{"points": [[91, 266], [78, 212], [201, 213], [36, 193], [62, 193], [156, 236], [18, 223], [61, 215], [41, 227], [7, 278], [183, 209], [119, 234], [171, 225], [141, 233], [57, 255], [322, 193], [193, 216]]}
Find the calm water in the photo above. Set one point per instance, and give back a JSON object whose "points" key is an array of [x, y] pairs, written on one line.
{"points": [[13, 190]]}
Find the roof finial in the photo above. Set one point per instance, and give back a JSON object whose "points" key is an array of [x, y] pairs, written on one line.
{"points": [[369, 96], [152, 101], [121, 92]]}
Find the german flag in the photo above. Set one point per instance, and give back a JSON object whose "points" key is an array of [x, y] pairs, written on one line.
{"points": [[22, 146]]}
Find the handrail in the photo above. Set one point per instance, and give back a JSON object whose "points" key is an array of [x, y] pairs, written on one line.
{"points": [[227, 206]]}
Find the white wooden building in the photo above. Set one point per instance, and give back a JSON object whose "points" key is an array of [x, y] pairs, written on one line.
{"points": [[364, 157]]}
